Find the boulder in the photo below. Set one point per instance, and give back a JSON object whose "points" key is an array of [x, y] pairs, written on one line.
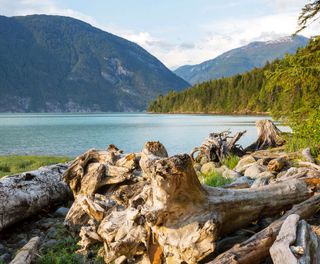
{"points": [[254, 170], [244, 163], [61, 212], [208, 167], [231, 174]]}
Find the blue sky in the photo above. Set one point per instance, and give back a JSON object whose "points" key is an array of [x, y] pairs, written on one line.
{"points": [[177, 31]]}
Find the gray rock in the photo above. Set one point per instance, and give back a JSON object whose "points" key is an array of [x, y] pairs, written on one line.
{"points": [[244, 179], [208, 167], [254, 170], [2, 249], [244, 163], [21, 243], [221, 169], [50, 243], [6, 257], [231, 174], [52, 232], [61, 212]]}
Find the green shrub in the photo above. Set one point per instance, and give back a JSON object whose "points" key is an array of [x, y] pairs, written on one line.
{"points": [[231, 161], [215, 179]]}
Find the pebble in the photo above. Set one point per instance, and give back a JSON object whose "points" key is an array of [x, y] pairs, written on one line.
{"points": [[61, 212], [6, 258]]}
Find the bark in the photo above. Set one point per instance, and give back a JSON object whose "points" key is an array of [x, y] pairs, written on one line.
{"points": [[167, 210], [268, 136], [256, 249], [218, 146], [26, 254], [26, 194]]}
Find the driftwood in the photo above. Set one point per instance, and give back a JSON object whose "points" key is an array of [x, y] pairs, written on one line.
{"points": [[306, 153], [157, 208], [26, 194], [218, 146], [256, 248], [268, 136], [296, 243], [27, 253]]}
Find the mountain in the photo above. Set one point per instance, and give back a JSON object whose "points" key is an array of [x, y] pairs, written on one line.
{"points": [[286, 87], [242, 59], [57, 64]]}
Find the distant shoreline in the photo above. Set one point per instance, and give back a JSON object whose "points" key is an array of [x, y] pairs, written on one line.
{"points": [[247, 113]]}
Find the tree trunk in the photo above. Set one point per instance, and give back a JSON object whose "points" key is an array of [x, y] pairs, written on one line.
{"points": [[162, 207], [26, 194], [256, 249], [268, 136], [26, 254]]}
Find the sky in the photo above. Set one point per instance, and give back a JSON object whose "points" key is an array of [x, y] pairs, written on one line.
{"points": [[178, 32]]}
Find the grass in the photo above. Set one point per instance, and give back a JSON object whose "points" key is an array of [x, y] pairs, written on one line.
{"points": [[231, 161], [64, 251], [17, 164], [215, 179]]}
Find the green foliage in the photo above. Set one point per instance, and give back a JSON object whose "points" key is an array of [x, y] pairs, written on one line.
{"points": [[215, 179], [16, 164], [289, 89], [64, 251], [231, 161]]}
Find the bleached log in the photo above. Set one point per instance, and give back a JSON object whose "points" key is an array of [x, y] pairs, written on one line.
{"points": [[27, 253], [256, 248], [25, 194], [268, 136], [280, 250]]}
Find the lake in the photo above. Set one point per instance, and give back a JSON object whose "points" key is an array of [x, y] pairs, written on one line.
{"points": [[72, 134]]}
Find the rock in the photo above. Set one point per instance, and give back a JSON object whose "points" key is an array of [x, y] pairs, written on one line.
{"points": [[6, 257], [52, 232], [21, 243], [240, 183], [244, 163], [254, 170], [197, 167], [2, 249], [208, 167], [204, 160], [50, 243], [231, 174], [221, 169], [61, 212]]}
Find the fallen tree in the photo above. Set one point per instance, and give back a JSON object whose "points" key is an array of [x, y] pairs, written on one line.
{"points": [[26, 194], [146, 206]]}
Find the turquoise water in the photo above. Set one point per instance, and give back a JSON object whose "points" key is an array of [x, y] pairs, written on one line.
{"points": [[72, 134]]}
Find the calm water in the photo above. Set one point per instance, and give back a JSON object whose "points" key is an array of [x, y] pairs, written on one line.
{"points": [[72, 134]]}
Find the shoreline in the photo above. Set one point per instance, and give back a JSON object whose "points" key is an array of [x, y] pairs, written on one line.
{"points": [[214, 113]]}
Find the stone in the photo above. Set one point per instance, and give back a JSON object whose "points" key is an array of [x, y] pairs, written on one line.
{"points": [[244, 179], [61, 212], [50, 243], [254, 170], [221, 169], [244, 163], [21, 243], [52, 232], [2, 249], [197, 167], [6, 257], [208, 167], [231, 174]]}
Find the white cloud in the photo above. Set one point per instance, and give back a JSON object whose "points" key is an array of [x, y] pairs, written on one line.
{"points": [[215, 37]]}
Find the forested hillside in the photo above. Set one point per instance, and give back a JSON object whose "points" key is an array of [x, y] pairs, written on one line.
{"points": [[281, 86], [61, 64]]}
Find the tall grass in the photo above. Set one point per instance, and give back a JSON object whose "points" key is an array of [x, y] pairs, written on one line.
{"points": [[231, 161], [17, 164]]}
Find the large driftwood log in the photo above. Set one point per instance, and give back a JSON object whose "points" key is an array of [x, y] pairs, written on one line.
{"points": [[160, 206], [256, 248], [27, 253], [218, 146], [26, 194], [268, 136]]}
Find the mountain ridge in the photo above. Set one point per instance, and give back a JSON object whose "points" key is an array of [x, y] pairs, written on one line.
{"points": [[241, 59], [61, 64]]}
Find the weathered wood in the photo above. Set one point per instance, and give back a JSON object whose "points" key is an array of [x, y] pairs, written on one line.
{"points": [[280, 250], [277, 164], [25, 194], [27, 253], [268, 136], [218, 146], [256, 248], [306, 153]]}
